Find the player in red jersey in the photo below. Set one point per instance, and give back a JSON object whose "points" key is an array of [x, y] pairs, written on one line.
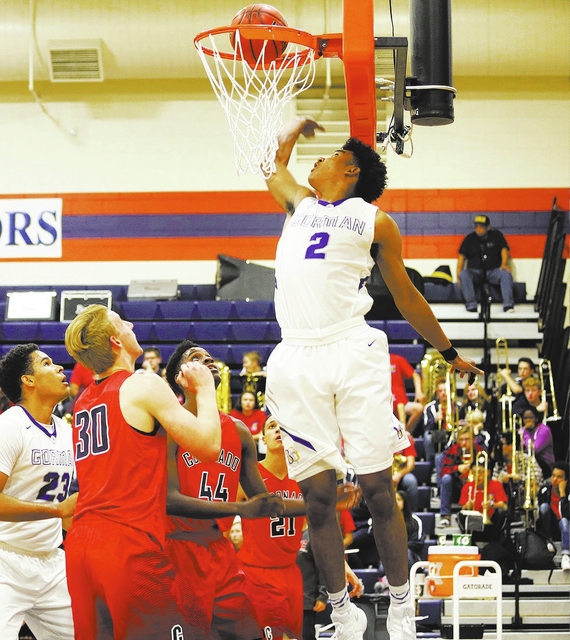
{"points": [[120, 579], [270, 546], [202, 502]]}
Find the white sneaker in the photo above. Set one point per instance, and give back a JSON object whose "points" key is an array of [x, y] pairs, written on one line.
{"points": [[565, 562], [351, 625], [401, 623]]}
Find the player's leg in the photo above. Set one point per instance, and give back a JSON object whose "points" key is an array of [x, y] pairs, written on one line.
{"points": [[51, 616], [16, 592], [387, 524], [372, 434], [128, 572], [319, 492], [504, 279], [233, 614], [414, 411], [277, 595], [467, 280], [196, 580], [84, 602]]}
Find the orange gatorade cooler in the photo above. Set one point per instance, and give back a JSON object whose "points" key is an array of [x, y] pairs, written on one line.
{"points": [[442, 560]]}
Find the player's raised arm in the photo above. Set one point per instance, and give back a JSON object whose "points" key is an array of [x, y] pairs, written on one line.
{"points": [[282, 185], [408, 299], [149, 397]]}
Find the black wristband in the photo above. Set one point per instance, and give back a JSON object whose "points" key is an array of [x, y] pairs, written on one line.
{"points": [[449, 354]]}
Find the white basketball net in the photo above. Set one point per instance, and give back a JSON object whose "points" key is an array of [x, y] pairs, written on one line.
{"points": [[254, 99]]}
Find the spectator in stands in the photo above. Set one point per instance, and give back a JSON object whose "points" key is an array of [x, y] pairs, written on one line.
{"points": [[503, 469], [251, 364], [525, 368], [531, 399], [476, 420], [403, 476], [496, 505], [475, 397], [151, 361], [456, 464], [366, 552], [554, 511], [541, 438], [408, 412], [484, 257], [434, 416], [347, 526], [247, 410], [253, 376], [81, 377], [236, 533]]}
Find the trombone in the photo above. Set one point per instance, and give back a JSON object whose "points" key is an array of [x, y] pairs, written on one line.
{"points": [[507, 399], [544, 364], [482, 457], [502, 349], [530, 484]]}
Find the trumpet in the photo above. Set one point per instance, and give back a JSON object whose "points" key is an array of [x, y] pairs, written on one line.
{"points": [[543, 364]]}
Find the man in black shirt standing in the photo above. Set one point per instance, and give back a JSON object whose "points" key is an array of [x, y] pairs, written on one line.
{"points": [[487, 254]]}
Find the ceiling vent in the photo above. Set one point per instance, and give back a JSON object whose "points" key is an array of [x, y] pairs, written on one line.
{"points": [[75, 61]]}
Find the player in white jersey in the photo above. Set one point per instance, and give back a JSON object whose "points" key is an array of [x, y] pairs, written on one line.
{"points": [[329, 379], [36, 469]]}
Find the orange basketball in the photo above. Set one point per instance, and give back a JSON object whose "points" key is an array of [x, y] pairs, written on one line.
{"points": [[251, 49]]}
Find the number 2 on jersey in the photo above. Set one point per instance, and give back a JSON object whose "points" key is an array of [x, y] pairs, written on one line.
{"points": [[315, 251]]}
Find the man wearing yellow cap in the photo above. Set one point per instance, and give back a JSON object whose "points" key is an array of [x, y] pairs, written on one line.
{"points": [[484, 257]]}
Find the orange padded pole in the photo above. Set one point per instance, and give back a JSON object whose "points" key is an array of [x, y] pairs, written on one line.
{"points": [[358, 58]]}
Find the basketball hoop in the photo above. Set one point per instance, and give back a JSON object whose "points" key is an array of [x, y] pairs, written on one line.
{"points": [[254, 92]]}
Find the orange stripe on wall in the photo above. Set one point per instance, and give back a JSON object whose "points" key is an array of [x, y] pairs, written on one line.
{"points": [[396, 200], [126, 249], [474, 199], [158, 203], [446, 247]]}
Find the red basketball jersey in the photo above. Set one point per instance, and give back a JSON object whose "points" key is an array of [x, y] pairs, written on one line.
{"points": [[273, 542], [217, 481], [121, 471]]}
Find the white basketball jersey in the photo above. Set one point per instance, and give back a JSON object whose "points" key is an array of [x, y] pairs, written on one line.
{"points": [[38, 460], [322, 262]]}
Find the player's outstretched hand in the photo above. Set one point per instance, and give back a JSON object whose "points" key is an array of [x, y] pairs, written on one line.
{"points": [[354, 581], [310, 125], [67, 507], [466, 365], [194, 376], [347, 496], [263, 505]]}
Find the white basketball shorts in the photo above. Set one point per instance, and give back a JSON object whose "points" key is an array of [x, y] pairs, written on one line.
{"points": [[326, 394], [34, 588]]}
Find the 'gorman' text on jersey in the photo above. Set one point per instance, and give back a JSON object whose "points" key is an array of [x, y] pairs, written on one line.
{"points": [[324, 251]]}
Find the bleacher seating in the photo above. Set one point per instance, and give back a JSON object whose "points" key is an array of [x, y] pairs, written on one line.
{"points": [[228, 328]]}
